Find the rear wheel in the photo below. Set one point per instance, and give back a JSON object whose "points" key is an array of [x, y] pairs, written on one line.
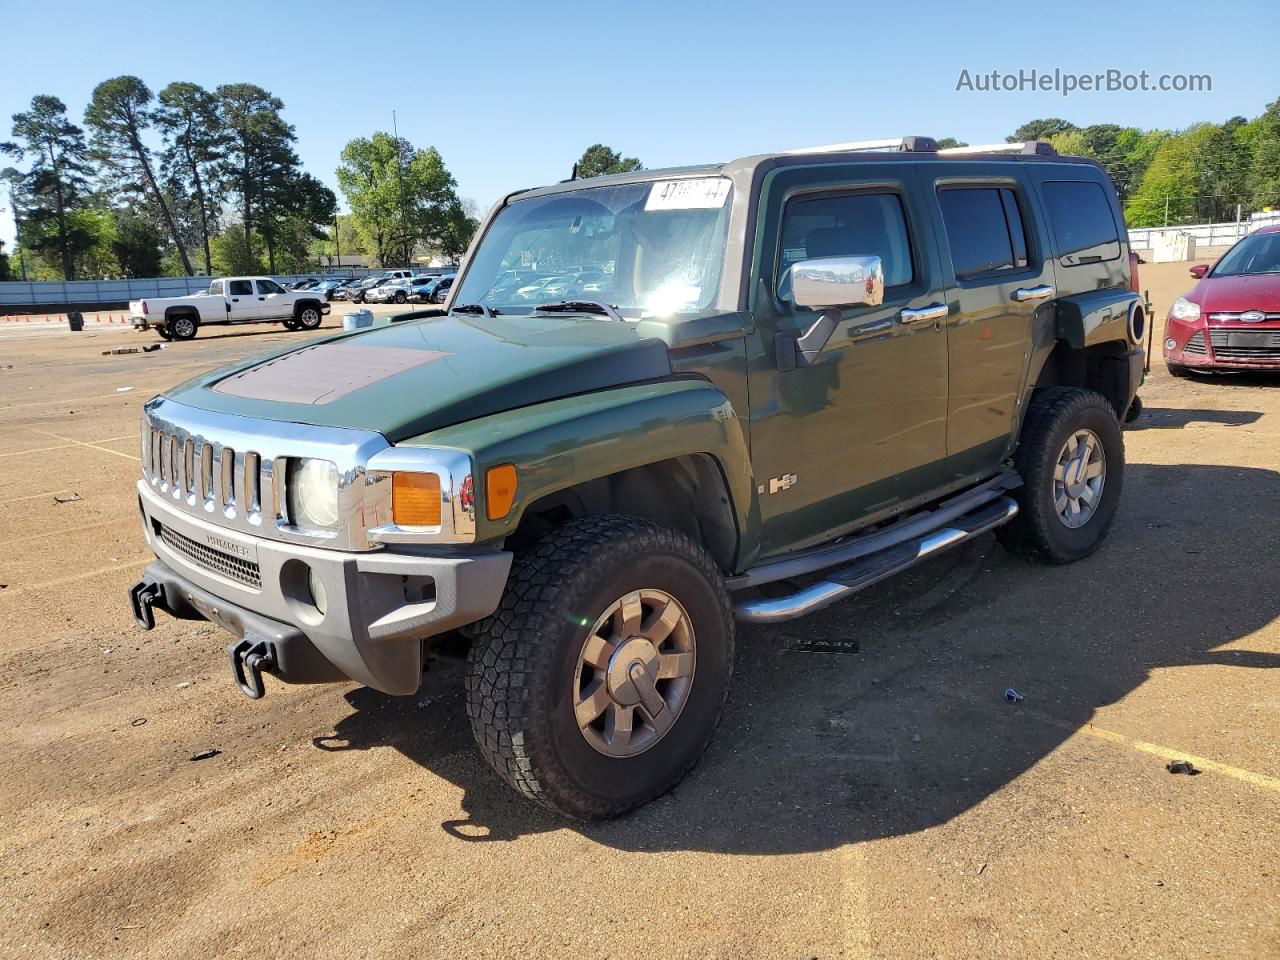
{"points": [[1071, 458], [598, 682], [308, 318], [400, 296], [183, 327]]}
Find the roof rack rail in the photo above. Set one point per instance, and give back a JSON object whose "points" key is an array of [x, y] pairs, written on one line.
{"points": [[1028, 147], [890, 145]]}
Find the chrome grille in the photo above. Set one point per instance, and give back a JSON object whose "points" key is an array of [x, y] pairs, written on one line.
{"points": [[1262, 345], [1196, 344], [216, 561], [1237, 317], [210, 476]]}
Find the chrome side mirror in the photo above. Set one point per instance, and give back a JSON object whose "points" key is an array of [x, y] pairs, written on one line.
{"points": [[829, 284]]}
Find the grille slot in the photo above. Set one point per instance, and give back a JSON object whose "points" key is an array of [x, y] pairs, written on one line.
{"points": [[210, 558], [1235, 317], [1265, 345], [1196, 344]]}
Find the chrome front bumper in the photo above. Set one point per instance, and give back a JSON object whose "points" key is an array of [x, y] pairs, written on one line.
{"points": [[378, 605]]}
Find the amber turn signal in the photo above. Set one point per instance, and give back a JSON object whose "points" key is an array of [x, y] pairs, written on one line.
{"points": [[415, 499], [500, 490]]}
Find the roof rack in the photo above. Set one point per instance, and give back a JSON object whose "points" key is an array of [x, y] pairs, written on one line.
{"points": [[890, 145], [1028, 147]]}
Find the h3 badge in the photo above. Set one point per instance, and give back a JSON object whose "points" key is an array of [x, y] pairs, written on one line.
{"points": [[778, 484]]}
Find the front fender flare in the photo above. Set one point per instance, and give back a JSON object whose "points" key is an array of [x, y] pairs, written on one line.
{"points": [[561, 443]]}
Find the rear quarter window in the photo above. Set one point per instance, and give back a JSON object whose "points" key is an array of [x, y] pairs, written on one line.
{"points": [[1084, 229]]}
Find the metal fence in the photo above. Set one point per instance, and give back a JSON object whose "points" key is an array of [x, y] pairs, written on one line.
{"points": [[1206, 234], [22, 294]]}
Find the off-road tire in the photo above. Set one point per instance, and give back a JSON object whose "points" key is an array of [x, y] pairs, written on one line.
{"points": [[1037, 532], [520, 669], [183, 327]]}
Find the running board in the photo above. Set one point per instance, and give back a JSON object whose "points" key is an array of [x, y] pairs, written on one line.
{"points": [[877, 566]]}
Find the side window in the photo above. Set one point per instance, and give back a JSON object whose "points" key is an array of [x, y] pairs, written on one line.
{"points": [[984, 230], [240, 288], [269, 286], [855, 224], [1084, 231], [215, 288]]}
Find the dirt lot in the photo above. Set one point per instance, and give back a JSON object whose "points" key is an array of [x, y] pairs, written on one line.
{"points": [[886, 802]]}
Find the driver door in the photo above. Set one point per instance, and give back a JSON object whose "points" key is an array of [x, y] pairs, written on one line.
{"points": [[861, 432]]}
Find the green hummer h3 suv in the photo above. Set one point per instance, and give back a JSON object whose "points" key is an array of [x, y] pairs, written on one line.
{"points": [[653, 404]]}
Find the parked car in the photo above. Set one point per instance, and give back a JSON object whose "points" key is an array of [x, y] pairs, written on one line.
{"points": [[327, 287], [360, 291], [229, 300], [424, 289], [818, 368], [441, 292], [1230, 320], [344, 289], [391, 291]]}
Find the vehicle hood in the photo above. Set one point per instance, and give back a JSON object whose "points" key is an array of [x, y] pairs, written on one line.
{"points": [[415, 376], [1234, 294]]}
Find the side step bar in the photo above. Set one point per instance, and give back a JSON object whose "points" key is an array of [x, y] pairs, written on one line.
{"points": [[875, 567]]}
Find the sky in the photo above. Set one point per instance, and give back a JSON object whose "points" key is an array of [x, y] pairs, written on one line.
{"points": [[512, 93]]}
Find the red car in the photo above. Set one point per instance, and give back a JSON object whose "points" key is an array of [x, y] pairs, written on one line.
{"points": [[1230, 320]]}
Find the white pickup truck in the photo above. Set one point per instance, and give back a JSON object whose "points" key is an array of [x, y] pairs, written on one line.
{"points": [[229, 300]]}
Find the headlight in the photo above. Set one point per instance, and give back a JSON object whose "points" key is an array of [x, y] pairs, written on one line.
{"points": [[313, 495], [1184, 310]]}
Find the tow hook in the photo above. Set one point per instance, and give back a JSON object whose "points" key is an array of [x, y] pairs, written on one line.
{"points": [[143, 595], [249, 658]]}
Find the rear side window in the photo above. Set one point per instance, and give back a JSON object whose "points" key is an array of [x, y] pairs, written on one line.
{"points": [[858, 224], [1084, 230], [240, 288], [215, 288], [984, 230]]}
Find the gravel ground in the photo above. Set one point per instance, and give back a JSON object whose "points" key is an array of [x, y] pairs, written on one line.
{"points": [[886, 802]]}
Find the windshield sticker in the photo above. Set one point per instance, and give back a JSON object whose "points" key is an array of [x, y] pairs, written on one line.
{"points": [[706, 193]]}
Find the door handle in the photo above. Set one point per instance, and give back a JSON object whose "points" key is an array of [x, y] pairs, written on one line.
{"points": [[934, 311], [262, 298], [1042, 292], [235, 299]]}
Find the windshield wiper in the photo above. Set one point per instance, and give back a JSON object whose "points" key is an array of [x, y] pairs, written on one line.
{"points": [[479, 308], [579, 306]]}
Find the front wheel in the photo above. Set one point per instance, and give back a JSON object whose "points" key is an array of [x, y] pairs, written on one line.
{"points": [[1071, 459], [598, 682]]}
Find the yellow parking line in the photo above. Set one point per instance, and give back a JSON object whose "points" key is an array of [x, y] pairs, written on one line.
{"points": [[37, 496], [64, 446], [91, 446], [32, 587], [1164, 753], [127, 518]]}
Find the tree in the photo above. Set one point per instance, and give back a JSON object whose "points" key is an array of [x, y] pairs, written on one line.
{"points": [[401, 197], [233, 252], [1263, 177], [1071, 143], [1040, 130], [598, 160], [948, 143], [294, 207], [57, 182], [195, 144], [138, 246], [257, 138], [6, 272], [117, 115]]}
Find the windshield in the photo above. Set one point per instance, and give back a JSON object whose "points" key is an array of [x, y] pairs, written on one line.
{"points": [[1257, 254], [646, 248]]}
